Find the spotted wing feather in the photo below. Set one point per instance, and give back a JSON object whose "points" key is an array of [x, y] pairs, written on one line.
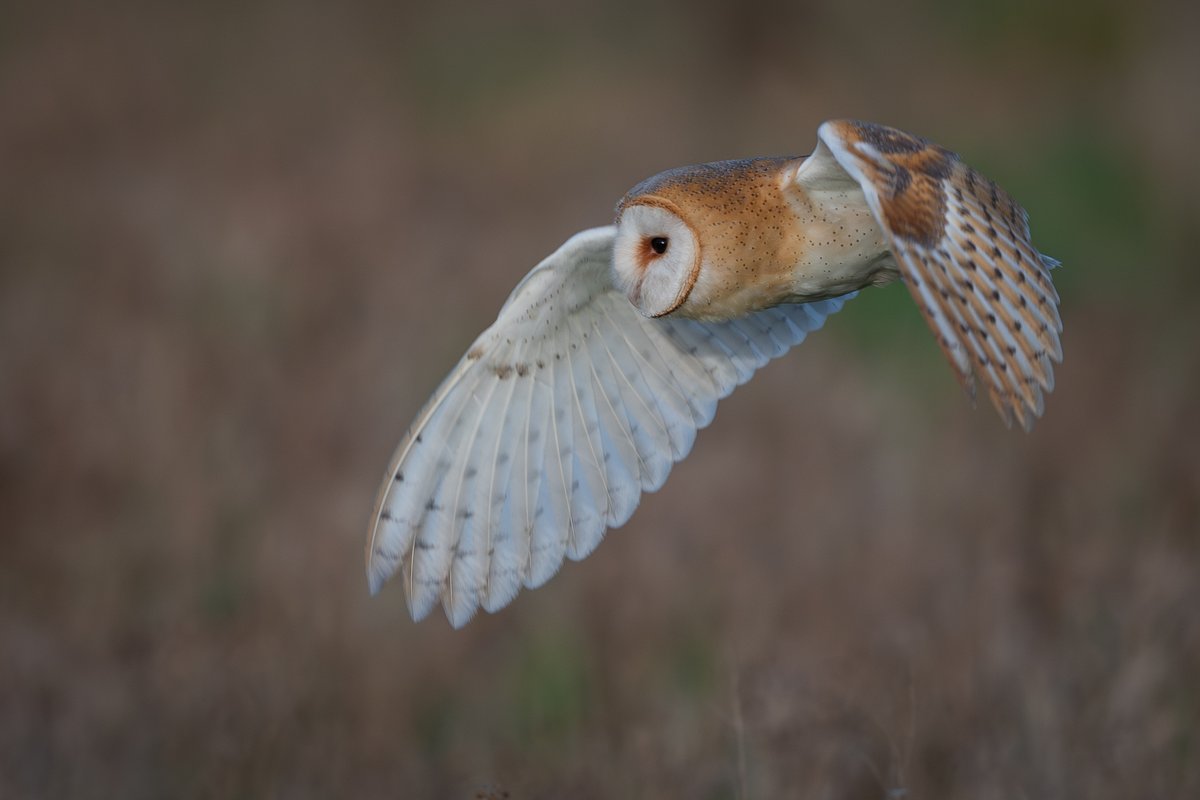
{"points": [[550, 428], [964, 251]]}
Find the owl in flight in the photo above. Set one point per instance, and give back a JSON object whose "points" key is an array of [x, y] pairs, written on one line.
{"points": [[608, 357]]}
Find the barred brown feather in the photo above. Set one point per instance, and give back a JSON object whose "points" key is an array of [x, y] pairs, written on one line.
{"points": [[963, 247]]}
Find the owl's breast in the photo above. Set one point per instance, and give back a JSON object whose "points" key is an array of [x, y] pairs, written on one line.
{"points": [[835, 245]]}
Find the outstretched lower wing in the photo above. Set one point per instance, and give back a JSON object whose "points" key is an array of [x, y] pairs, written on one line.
{"points": [[550, 428], [963, 248]]}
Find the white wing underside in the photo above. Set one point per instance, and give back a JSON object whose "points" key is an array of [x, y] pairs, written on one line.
{"points": [[550, 428]]}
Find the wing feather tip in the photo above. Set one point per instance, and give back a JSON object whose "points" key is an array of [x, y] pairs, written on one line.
{"points": [[379, 570], [460, 615], [539, 573], [422, 603], [1050, 261], [966, 379], [1006, 411], [496, 601]]}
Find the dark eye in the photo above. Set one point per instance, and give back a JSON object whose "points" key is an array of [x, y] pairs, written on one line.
{"points": [[659, 244]]}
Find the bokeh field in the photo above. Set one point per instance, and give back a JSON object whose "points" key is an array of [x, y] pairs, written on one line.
{"points": [[240, 244]]}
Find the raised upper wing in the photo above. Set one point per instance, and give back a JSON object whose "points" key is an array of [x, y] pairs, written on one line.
{"points": [[551, 426], [963, 248]]}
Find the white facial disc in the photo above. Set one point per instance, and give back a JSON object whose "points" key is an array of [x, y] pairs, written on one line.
{"points": [[655, 258]]}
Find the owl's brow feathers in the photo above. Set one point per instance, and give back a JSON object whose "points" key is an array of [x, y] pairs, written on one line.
{"points": [[735, 180]]}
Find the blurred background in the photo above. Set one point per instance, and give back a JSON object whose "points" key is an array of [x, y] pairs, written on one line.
{"points": [[241, 243]]}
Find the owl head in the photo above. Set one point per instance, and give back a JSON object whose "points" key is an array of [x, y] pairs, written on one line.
{"points": [[684, 233]]}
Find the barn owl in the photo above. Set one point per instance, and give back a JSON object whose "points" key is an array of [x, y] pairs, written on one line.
{"points": [[608, 357]]}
